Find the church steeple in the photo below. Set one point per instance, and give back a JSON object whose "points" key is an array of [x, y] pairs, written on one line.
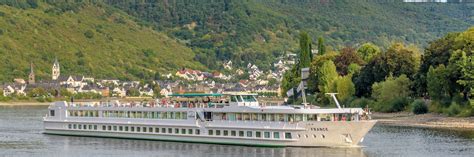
{"points": [[55, 70], [31, 76]]}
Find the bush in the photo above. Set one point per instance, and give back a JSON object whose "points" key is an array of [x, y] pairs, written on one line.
{"points": [[361, 102], [393, 105], [454, 109], [89, 34], [419, 107]]}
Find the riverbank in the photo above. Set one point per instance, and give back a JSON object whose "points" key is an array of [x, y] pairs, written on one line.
{"points": [[429, 120], [19, 103]]}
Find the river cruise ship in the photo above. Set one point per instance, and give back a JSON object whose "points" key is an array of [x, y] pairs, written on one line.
{"points": [[236, 119]]}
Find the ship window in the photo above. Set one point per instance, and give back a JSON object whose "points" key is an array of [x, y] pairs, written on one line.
{"points": [[176, 131], [266, 134], [218, 132], [138, 129], [211, 132], [157, 130], [233, 133], [314, 136], [246, 116], [80, 126], [249, 134], [183, 131], [254, 117], [69, 126], [298, 117], [126, 128], [120, 128], [103, 127], [306, 136], [109, 128], [190, 131], [241, 133], [90, 127], [258, 134], [239, 116], [198, 131], [132, 129], [163, 130], [74, 126], [51, 113], [95, 127], [299, 136], [323, 136], [144, 129], [115, 128], [226, 133], [249, 98], [231, 116], [170, 130], [150, 129], [276, 135], [280, 117], [287, 135]]}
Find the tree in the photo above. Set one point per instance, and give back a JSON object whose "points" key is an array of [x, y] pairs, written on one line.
{"points": [[327, 74], [461, 69], [367, 51], [321, 47], [345, 58], [437, 82], [345, 88], [389, 94], [305, 50], [133, 92], [396, 61], [317, 62]]}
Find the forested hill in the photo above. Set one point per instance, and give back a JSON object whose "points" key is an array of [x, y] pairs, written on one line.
{"points": [[257, 30], [91, 40], [135, 39]]}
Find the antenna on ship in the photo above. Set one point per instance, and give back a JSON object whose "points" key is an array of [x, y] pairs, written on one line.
{"points": [[333, 95]]}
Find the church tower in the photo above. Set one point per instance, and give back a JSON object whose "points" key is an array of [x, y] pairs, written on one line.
{"points": [[31, 77], [56, 70]]}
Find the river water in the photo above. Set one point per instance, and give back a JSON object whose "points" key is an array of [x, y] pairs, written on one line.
{"points": [[21, 126]]}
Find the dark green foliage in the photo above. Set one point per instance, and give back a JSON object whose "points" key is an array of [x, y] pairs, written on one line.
{"points": [[419, 107], [321, 46], [396, 61], [361, 102], [236, 29], [454, 109], [305, 51], [89, 34]]}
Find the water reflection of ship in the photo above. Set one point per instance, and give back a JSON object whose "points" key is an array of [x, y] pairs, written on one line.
{"points": [[162, 148]]}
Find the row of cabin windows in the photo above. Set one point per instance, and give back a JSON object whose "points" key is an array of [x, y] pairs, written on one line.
{"points": [[129, 114], [145, 114], [249, 134], [279, 117], [136, 129], [83, 113], [82, 126]]}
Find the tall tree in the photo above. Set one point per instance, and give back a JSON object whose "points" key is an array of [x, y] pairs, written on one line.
{"points": [[438, 82], [305, 50], [321, 47], [327, 74]]}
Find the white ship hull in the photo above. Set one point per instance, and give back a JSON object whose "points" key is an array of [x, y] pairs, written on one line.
{"points": [[315, 134]]}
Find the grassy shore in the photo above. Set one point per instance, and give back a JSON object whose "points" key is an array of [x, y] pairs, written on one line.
{"points": [[429, 120], [16, 103]]}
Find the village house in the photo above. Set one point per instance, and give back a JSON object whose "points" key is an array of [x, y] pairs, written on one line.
{"points": [[19, 89]]}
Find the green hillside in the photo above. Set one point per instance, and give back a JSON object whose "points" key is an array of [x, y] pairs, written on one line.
{"points": [[92, 40], [259, 30], [135, 39]]}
